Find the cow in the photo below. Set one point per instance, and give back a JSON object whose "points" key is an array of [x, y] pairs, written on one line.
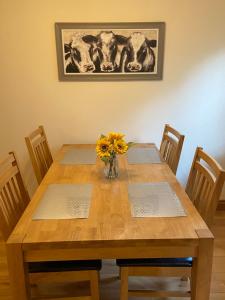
{"points": [[137, 55], [79, 56], [108, 49]]}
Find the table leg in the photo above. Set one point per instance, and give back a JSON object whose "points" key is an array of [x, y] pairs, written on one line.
{"points": [[94, 285], [202, 267], [124, 283], [18, 273]]}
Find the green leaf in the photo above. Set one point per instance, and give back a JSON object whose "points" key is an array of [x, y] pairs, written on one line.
{"points": [[102, 136], [130, 144], [105, 159]]}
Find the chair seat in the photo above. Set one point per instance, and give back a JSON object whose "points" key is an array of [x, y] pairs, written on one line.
{"points": [[155, 262], [60, 266]]}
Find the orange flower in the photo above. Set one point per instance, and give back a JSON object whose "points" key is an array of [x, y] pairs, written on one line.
{"points": [[103, 147], [120, 146], [114, 136]]}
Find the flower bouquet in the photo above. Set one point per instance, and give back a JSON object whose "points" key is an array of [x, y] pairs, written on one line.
{"points": [[107, 149]]}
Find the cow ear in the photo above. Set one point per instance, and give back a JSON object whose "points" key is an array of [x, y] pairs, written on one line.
{"points": [[122, 40], [89, 39], [67, 48], [152, 43]]}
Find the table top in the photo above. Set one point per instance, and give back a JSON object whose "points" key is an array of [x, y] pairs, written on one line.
{"points": [[110, 221]]}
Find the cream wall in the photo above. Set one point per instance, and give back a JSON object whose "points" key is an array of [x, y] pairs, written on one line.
{"points": [[191, 96]]}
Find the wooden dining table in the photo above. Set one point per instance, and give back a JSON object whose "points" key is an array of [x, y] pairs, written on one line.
{"points": [[110, 231]]}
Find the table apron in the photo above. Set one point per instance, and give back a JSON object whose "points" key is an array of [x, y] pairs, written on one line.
{"points": [[109, 253]]}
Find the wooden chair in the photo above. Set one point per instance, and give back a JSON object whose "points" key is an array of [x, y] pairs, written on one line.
{"points": [[13, 201], [171, 146], [13, 195], [39, 152], [204, 186]]}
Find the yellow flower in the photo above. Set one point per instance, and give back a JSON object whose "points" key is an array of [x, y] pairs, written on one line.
{"points": [[114, 136], [103, 147], [120, 146]]}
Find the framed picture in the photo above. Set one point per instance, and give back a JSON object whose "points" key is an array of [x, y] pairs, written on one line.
{"points": [[110, 51]]}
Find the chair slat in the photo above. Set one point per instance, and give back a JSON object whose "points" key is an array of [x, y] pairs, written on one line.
{"points": [[197, 188], [4, 222], [8, 202], [15, 197], [11, 197], [5, 207], [20, 189], [9, 173], [47, 154], [171, 155], [42, 160]]}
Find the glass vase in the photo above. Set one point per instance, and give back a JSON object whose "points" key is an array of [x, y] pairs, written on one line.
{"points": [[111, 168]]}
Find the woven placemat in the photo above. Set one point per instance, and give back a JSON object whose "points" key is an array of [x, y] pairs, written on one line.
{"points": [[64, 201], [79, 157], [154, 200], [143, 156]]}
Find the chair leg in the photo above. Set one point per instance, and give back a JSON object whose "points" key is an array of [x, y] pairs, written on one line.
{"points": [[124, 283], [120, 274], [94, 285]]}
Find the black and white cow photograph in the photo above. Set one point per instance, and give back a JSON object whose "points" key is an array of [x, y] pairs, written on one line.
{"points": [[110, 51]]}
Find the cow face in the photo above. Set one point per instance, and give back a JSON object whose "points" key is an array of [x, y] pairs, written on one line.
{"points": [[80, 55], [107, 44], [140, 56]]}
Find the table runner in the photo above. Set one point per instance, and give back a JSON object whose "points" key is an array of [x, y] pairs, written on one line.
{"points": [[79, 157], [143, 156], [64, 201], [154, 200]]}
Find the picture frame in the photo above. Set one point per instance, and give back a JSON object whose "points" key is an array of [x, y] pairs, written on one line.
{"points": [[110, 51]]}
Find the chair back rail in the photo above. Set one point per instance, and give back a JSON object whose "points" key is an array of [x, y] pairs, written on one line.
{"points": [[13, 194], [39, 152], [171, 146], [204, 186]]}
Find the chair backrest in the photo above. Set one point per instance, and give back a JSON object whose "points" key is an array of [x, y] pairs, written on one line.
{"points": [[205, 183], [171, 146], [13, 194], [39, 151]]}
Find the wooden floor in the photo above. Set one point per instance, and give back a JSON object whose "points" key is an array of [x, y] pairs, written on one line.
{"points": [[109, 275]]}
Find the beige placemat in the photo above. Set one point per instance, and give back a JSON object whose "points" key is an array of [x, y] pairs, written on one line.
{"points": [[154, 200], [143, 156], [79, 157], [64, 201]]}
